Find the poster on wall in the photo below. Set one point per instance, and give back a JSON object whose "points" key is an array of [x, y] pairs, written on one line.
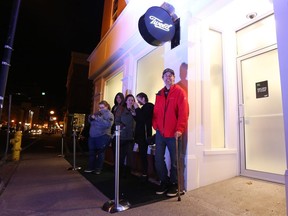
{"points": [[262, 89]]}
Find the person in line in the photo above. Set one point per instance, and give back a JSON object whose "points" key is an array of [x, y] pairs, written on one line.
{"points": [[99, 137], [170, 121], [143, 129], [125, 118], [118, 104]]}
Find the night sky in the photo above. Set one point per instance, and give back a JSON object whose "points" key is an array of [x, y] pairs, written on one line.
{"points": [[47, 31]]}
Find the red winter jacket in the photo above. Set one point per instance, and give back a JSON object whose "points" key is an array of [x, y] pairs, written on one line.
{"points": [[171, 113]]}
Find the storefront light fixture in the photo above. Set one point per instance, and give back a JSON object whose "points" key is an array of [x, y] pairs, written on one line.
{"points": [[251, 15], [170, 9]]}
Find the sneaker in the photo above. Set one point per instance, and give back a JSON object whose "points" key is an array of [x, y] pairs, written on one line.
{"points": [[172, 191], [162, 189], [97, 172], [88, 170], [143, 178]]}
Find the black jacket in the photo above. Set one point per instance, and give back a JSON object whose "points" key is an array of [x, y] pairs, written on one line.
{"points": [[143, 119]]}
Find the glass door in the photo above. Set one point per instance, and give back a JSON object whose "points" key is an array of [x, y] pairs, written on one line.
{"points": [[261, 116]]}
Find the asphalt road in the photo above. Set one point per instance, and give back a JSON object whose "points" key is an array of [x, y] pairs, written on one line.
{"points": [[38, 144]]}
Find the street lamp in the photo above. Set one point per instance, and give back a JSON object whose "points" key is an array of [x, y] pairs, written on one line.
{"points": [[52, 120]]}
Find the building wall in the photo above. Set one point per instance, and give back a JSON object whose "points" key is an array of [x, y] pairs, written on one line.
{"points": [[110, 15], [79, 89], [123, 46]]}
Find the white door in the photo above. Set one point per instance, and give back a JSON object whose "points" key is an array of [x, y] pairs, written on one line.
{"points": [[261, 116]]}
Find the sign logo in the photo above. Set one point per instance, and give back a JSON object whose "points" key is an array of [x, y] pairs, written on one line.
{"points": [[158, 23]]}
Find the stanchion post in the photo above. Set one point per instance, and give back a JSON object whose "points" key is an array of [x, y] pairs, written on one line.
{"points": [[178, 168], [62, 145], [116, 205], [74, 153], [8, 128]]}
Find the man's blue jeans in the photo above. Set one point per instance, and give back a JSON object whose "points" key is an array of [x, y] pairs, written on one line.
{"points": [[97, 147], [160, 165]]}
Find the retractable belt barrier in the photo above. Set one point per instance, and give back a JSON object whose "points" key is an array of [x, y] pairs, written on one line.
{"points": [[74, 153], [62, 145], [116, 205]]}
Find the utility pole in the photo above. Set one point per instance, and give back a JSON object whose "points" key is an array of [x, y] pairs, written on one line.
{"points": [[8, 52]]}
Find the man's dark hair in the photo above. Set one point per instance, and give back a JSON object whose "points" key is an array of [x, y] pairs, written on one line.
{"points": [[143, 95]]}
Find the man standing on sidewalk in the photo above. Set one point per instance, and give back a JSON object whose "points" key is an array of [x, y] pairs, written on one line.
{"points": [[170, 121]]}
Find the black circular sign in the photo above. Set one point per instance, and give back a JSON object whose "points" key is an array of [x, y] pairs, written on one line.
{"points": [[156, 26]]}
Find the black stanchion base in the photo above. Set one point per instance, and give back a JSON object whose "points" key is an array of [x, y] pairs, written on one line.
{"points": [[61, 155], [110, 206], [74, 168]]}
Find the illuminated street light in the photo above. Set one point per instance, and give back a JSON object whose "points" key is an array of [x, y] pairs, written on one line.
{"points": [[52, 112]]}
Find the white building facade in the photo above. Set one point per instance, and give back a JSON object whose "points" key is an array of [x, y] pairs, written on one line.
{"points": [[232, 48]]}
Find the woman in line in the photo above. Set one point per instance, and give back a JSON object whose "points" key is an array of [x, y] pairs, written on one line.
{"points": [[118, 104], [125, 118], [99, 136], [118, 101]]}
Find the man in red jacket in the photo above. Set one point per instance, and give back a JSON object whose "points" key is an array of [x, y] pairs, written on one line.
{"points": [[170, 121]]}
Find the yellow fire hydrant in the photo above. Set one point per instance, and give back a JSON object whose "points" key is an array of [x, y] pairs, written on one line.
{"points": [[16, 142]]}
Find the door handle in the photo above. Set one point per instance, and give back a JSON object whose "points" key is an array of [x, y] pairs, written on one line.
{"points": [[241, 110]]}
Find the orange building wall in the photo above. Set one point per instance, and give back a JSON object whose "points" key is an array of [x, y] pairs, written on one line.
{"points": [[107, 20]]}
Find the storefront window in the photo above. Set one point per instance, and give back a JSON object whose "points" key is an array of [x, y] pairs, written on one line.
{"points": [[149, 73], [216, 90], [113, 86]]}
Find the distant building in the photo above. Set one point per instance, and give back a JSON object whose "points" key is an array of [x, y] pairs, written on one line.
{"points": [[23, 113], [79, 92]]}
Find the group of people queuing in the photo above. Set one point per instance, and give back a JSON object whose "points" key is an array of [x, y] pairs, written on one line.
{"points": [[136, 117]]}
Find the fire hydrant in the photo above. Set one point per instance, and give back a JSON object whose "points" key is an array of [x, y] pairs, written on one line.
{"points": [[16, 142]]}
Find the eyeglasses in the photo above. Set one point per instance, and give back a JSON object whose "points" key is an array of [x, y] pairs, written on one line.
{"points": [[102, 107]]}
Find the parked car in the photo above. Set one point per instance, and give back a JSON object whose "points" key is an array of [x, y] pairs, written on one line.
{"points": [[35, 131]]}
